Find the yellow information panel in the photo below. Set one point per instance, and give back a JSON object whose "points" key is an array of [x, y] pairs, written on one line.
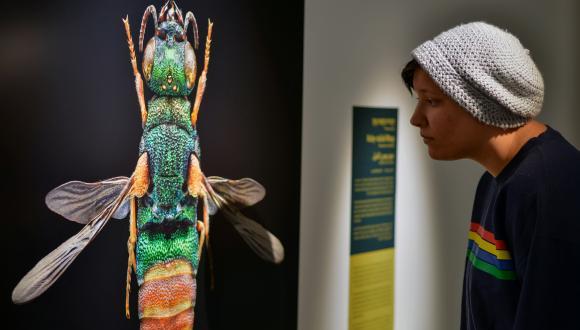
{"points": [[372, 290], [372, 237]]}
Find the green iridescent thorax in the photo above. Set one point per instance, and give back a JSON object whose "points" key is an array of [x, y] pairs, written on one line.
{"points": [[170, 111], [168, 76], [169, 139]]}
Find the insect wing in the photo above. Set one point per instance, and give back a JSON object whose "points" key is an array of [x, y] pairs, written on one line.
{"points": [[241, 193], [212, 206], [122, 211], [51, 267], [81, 201], [214, 201], [261, 241]]}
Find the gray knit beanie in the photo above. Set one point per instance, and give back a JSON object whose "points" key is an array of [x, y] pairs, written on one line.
{"points": [[487, 71]]}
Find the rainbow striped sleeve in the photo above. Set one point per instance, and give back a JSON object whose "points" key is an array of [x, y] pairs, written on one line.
{"points": [[488, 254]]}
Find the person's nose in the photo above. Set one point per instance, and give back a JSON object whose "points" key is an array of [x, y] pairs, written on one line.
{"points": [[418, 119]]}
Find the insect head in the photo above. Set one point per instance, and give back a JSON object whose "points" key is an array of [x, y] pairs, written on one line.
{"points": [[169, 65]]}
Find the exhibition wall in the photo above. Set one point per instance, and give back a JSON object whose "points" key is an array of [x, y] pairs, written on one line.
{"points": [[353, 55]]}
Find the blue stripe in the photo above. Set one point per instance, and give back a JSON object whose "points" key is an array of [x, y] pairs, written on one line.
{"points": [[490, 258]]}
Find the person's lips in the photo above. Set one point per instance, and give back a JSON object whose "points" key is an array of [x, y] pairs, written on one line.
{"points": [[426, 139]]}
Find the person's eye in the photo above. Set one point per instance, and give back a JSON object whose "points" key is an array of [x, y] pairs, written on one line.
{"points": [[432, 102], [427, 100]]}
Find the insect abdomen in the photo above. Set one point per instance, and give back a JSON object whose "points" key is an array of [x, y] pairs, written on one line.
{"points": [[167, 296], [167, 261]]}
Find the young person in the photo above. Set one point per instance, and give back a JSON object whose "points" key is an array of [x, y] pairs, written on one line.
{"points": [[478, 93]]}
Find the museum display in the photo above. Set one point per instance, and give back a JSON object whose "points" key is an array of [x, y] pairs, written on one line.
{"points": [[161, 197]]}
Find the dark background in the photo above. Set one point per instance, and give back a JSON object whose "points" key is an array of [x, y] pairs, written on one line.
{"points": [[69, 112]]}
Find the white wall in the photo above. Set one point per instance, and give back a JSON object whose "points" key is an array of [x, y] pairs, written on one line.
{"points": [[353, 54]]}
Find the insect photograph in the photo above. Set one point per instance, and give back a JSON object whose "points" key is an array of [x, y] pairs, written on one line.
{"points": [[171, 207]]}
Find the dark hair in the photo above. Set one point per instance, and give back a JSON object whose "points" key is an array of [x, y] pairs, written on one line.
{"points": [[408, 72]]}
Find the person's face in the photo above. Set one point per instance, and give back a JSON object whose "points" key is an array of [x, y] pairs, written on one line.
{"points": [[448, 130]]}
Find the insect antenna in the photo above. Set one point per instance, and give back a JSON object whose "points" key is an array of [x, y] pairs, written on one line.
{"points": [[150, 11], [189, 18]]}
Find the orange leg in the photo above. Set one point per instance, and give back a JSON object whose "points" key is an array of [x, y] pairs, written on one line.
{"points": [[194, 177], [202, 77], [138, 80], [131, 263], [138, 189], [195, 188], [141, 177], [201, 231], [205, 215]]}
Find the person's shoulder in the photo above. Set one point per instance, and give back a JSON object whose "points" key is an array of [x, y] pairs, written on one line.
{"points": [[555, 142], [559, 157], [552, 159], [560, 199], [553, 165]]}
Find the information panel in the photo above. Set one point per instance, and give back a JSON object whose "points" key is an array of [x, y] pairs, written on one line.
{"points": [[372, 218]]}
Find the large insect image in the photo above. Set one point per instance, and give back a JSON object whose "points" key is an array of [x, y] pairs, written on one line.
{"points": [[167, 190]]}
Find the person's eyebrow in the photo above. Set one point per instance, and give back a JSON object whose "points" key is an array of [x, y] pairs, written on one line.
{"points": [[428, 90], [423, 90]]}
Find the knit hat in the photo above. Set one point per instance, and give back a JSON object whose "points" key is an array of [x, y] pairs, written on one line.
{"points": [[487, 71]]}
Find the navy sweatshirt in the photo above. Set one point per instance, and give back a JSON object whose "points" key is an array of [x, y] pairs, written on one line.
{"points": [[523, 258]]}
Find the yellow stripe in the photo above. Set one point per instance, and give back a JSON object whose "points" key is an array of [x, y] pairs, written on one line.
{"points": [[172, 268], [488, 247], [166, 312]]}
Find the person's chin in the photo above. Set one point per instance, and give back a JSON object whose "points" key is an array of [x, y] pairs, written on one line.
{"points": [[437, 154]]}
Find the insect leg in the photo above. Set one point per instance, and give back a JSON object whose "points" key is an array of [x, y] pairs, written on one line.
{"points": [[141, 177], [138, 80], [139, 188], [131, 263], [205, 215], [201, 231], [202, 77], [194, 177], [196, 189]]}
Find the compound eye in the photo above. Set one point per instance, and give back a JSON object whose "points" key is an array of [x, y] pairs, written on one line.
{"points": [[161, 34], [148, 59], [190, 65]]}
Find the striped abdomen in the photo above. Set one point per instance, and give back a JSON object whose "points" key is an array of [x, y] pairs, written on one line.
{"points": [[167, 261], [167, 296]]}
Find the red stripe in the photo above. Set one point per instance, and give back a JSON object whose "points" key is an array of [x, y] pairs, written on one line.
{"points": [[488, 236], [183, 320]]}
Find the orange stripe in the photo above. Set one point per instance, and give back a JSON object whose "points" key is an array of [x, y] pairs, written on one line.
{"points": [[167, 296], [181, 321], [488, 236]]}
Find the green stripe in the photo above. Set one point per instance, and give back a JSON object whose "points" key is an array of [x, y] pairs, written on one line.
{"points": [[155, 248], [490, 269]]}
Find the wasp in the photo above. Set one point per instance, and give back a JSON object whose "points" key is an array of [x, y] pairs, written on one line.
{"points": [[166, 190]]}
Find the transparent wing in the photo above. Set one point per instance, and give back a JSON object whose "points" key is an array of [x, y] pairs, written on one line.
{"points": [[81, 201], [51, 267], [241, 193], [244, 192], [122, 211], [261, 241]]}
